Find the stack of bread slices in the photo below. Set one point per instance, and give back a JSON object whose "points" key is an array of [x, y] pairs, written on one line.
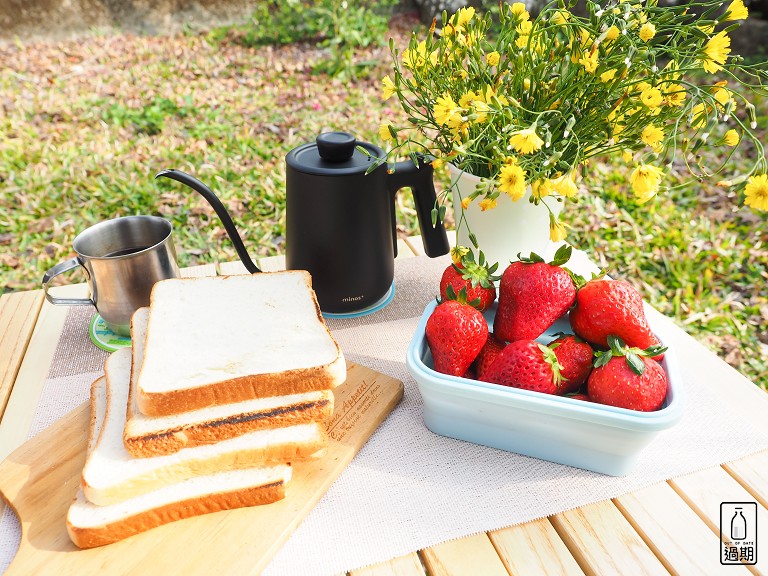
{"points": [[228, 380]]}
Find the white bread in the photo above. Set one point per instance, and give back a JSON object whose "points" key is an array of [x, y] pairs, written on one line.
{"points": [[225, 339], [111, 474], [90, 525], [154, 436]]}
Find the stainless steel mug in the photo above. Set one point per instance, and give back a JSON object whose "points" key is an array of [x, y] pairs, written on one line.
{"points": [[122, 259]]}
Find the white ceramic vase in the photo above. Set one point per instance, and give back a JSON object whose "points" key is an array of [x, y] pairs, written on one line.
{"points": [[506, 230]]}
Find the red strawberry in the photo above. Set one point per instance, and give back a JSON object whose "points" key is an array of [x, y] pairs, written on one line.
{"points": [[583, 397], [627, 378], [526, 364], [476, 278], [532, 295], [575, 356], [611, 307], [492, 348], [455, 333]]}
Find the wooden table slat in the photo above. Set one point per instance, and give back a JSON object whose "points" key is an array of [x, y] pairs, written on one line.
{"points": [[534, 549], [199, 271], [705, 490], [408, 565], [662, 518], [18, 314], [752, 473], [468, 556], [603, 542]]}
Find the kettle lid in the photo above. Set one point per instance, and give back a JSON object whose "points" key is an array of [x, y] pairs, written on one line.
{"points": [[333, 154]]}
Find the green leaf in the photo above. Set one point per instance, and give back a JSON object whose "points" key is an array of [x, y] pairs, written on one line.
{"points": [[617, 345], [562, 255], [635, 363], [473, 239], [601, 359]]}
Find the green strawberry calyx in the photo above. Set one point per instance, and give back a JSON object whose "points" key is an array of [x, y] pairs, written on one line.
{"points": [[461, 297], [633, 355], [480, 273], [562, 256], [551, 359]]}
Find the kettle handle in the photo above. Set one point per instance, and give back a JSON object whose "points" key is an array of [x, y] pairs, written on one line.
{"points": [[218, 207], [419, 179]]}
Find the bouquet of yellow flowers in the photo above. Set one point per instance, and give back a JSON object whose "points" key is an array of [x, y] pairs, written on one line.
{"points": [[527, 102]]}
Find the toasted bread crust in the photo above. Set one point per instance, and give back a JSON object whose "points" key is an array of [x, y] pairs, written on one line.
{"points": [[91, 537], [296, 381], [174, 439]]}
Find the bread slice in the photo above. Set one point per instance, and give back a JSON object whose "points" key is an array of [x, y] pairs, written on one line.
{"points": [[111, 474], [146, 436], [224, 339], [90, 525]]}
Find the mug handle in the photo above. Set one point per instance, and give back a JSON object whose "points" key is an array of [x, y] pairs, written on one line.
{"points": [[55, 271]]}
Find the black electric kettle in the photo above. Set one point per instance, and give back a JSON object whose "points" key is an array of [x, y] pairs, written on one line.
{"points": [[340, 220]]}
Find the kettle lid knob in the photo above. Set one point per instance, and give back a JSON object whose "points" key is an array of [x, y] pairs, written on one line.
{"points": [[336, 146]]}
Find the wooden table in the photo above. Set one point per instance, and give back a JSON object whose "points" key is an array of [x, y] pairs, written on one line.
{"points": [[671, 527]]}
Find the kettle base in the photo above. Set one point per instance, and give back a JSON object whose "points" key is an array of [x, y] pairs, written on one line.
{"points": [[375, 307]]}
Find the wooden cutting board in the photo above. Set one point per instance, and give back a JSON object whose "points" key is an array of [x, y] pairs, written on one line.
{"points": [[40, 479]]}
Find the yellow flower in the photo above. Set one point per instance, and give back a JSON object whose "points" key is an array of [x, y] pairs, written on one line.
{"points": [[716, 51], [647, 31], [518, 9], [463, 16], [465, 202], [609, 75], [417, 57], [627, 156], [524, 28], [651, 97], [565, 185], [458, 252], [731, 138], [589, 62], [522, 41], [487, 204], [387, 88], [446, 110], [492, 58], [653, 136], [560, 17], [526, 141], [645, 180], [756, 192], [542, 188], [612, 33], [385, 133], [736, 11], [557, 231], [526, 84], [466, 99], [698, 116], [676, 96], [723, 96], [512, 181]]}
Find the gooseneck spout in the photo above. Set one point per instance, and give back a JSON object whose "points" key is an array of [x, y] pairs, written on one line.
{"points": [[218, 207]]}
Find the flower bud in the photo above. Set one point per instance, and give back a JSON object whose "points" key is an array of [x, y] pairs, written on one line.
{"points": [[751, 115]]}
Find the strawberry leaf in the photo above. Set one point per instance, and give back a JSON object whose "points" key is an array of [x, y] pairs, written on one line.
{"points": [[635, 363], [562, 255], [532, 259], [617, 345], [551, 359], [602, 358], [654, 350]]}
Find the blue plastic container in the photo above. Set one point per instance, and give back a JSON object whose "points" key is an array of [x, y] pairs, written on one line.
{"points": [[574, 432]]}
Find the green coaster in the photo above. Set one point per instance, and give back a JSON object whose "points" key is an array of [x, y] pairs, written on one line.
{"points": [[104, 338]]}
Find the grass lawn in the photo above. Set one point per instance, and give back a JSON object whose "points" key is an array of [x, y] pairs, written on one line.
{"points": [[86, 124]]}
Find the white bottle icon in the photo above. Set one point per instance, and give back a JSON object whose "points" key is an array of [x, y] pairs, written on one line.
{"points": [[738, 525]]}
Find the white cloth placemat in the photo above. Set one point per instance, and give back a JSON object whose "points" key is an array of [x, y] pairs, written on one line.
{"points": [[408, 488]]}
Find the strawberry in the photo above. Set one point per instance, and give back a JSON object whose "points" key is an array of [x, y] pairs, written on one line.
{"points": [[627, 377], [490, 351], [532, 295], [575, 356], [583, 397], [455, 333], [476, 277], [526, 364], [611, 307]]}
